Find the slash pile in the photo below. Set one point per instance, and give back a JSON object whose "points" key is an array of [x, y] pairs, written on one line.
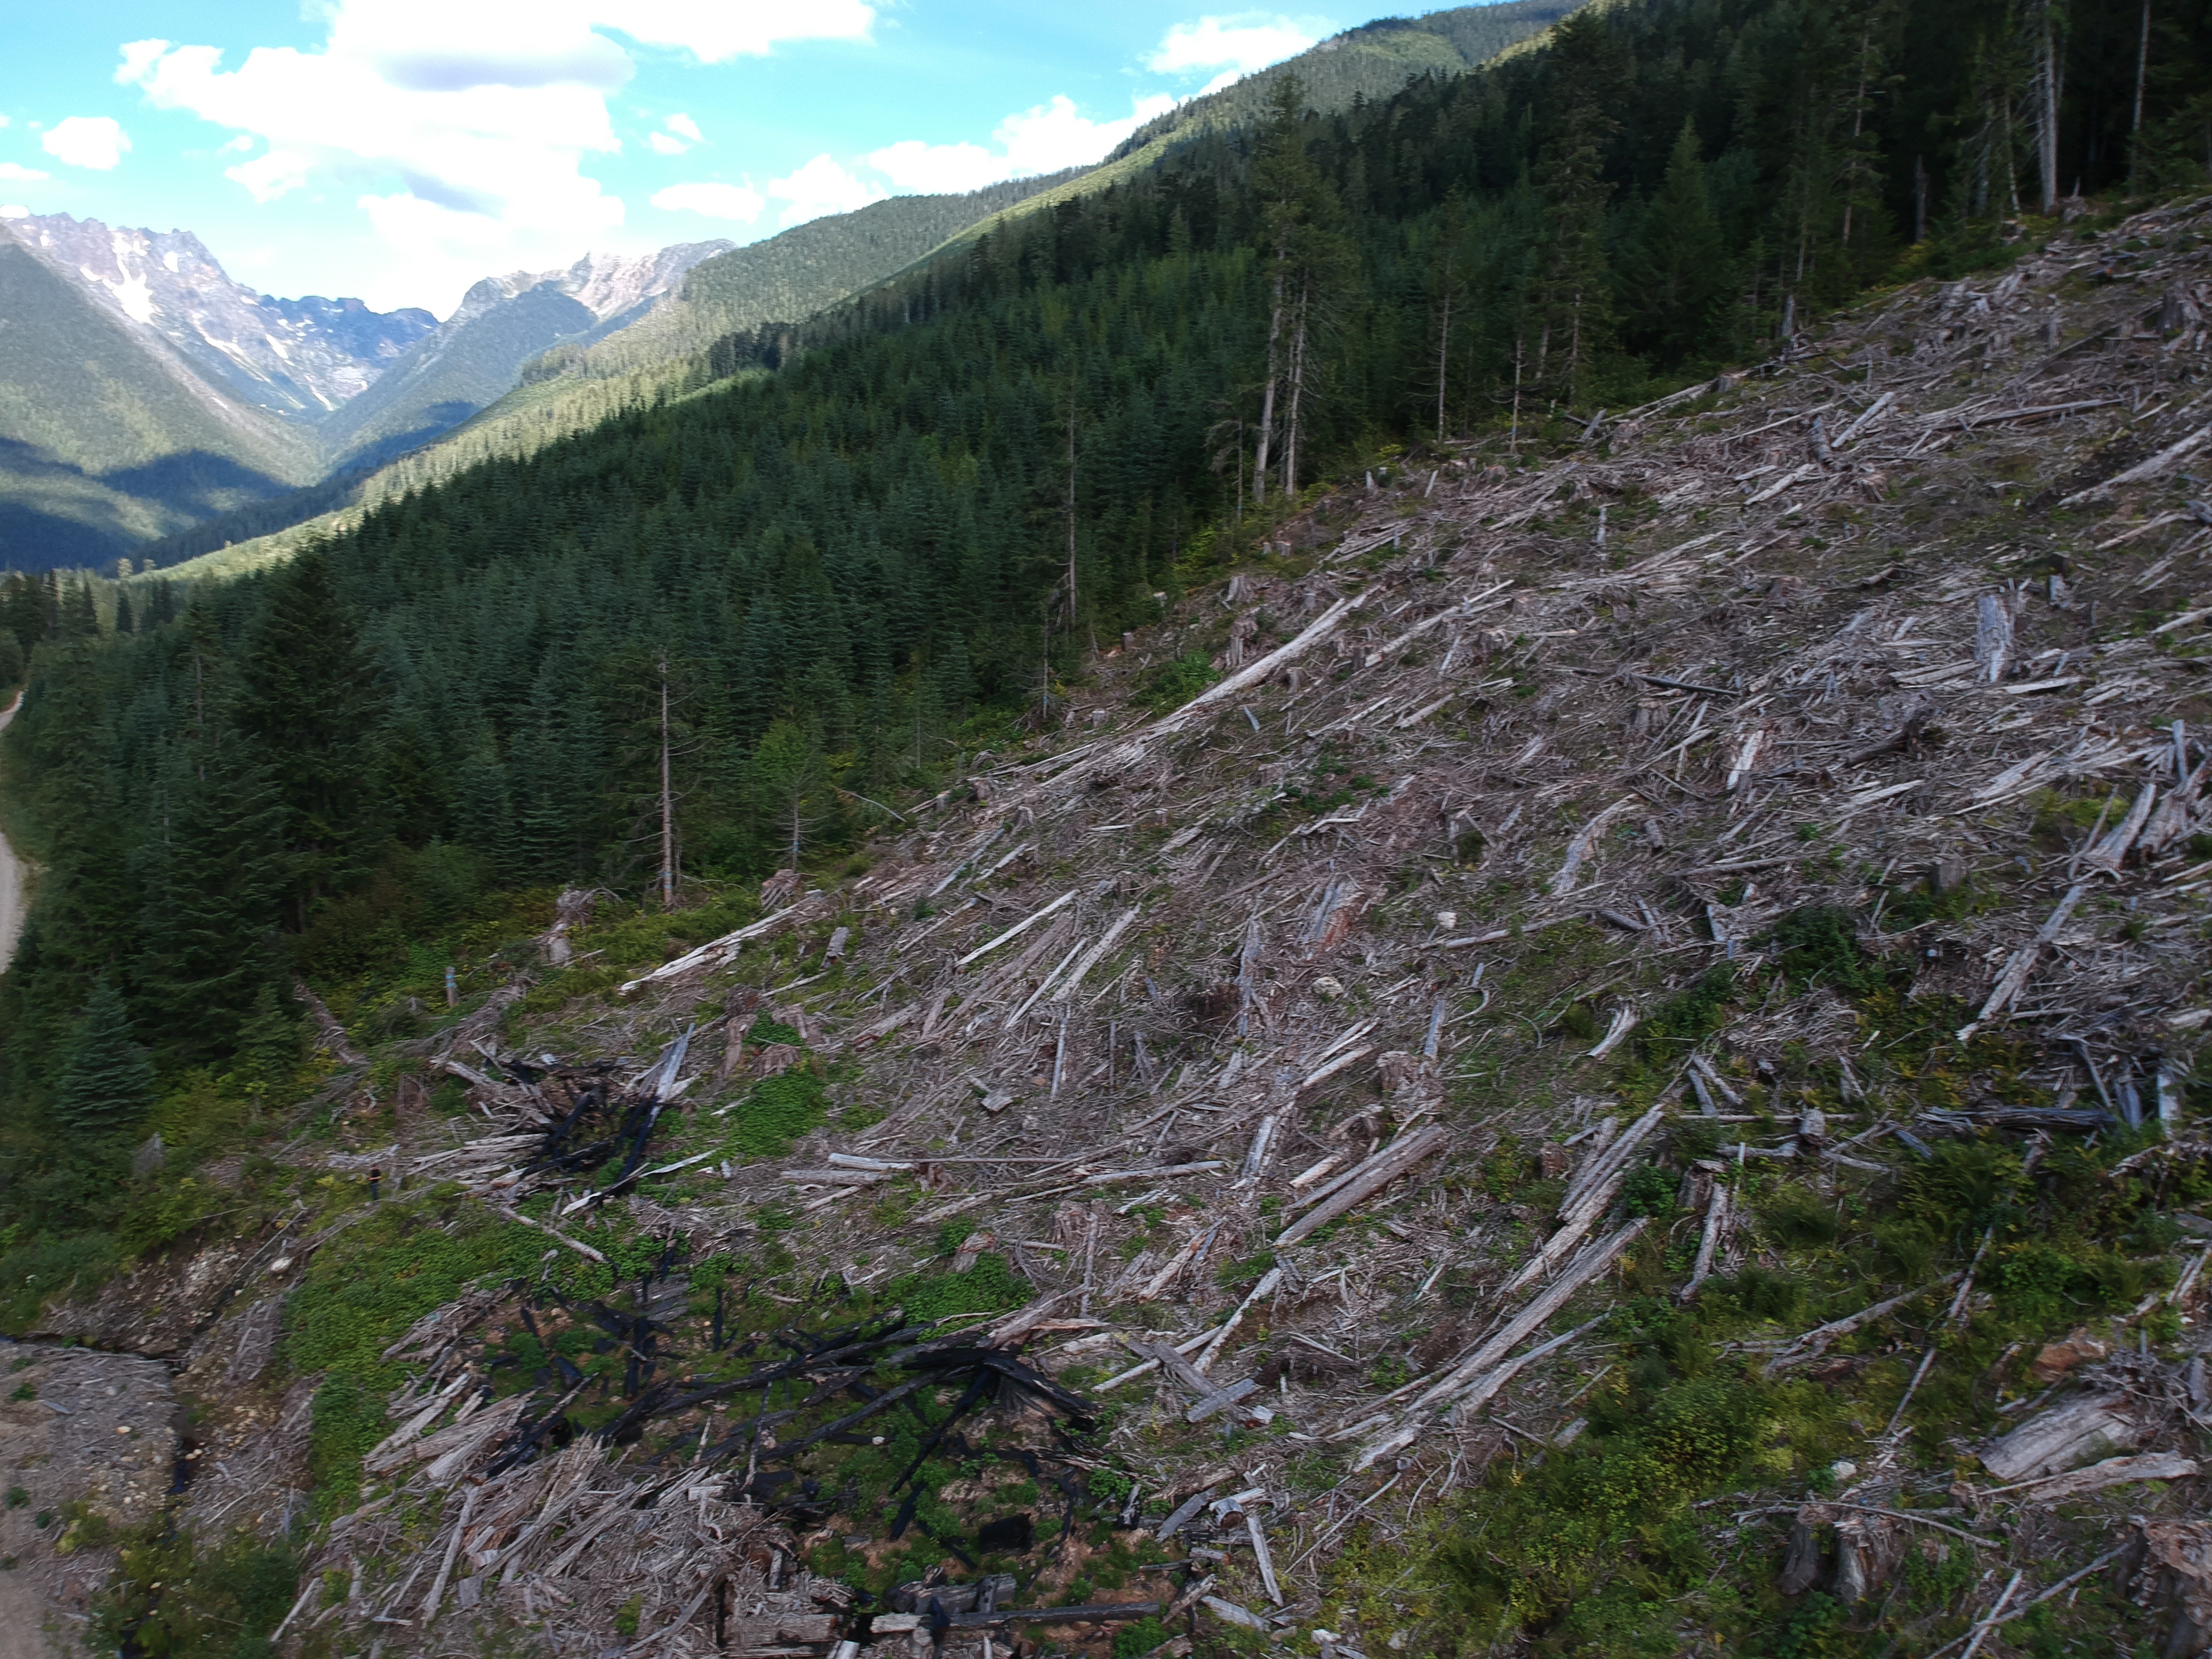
{"points": [[1639, 928]]}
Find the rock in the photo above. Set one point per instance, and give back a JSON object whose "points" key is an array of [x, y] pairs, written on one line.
{"points": [[1327, 987], [2059, 1358]]}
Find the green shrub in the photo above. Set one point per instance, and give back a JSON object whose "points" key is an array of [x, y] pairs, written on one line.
{"points": [[1966, 1187], [1175, 684], [1760, 1294], [1649, 1190], [988, 1288], [30, 1274], [1819, 946], [1815, 1629], [1682, 1023], [1799, 1218], [776, 1111], [174, 1599], [1141, 1638]]}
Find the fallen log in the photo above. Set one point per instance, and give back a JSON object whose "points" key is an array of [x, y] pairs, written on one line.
{"points": [[1594, 1260], [1814, 1342], [2079, 1430], [1370, 1178]]}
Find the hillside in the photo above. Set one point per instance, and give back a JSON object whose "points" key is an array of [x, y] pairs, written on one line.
{"points": [[296, 357], [1362, 66], [1691, 945], [107, 440], [474, 357], [1436, 884], [582, 379], [1366, 64], [788, 278]]}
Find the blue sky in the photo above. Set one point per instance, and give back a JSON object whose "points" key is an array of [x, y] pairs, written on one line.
{"points": [[399, 149]]}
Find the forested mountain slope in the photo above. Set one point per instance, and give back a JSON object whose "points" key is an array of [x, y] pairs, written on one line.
{"points": [[108, 440], [473, 358], [1634, 979], [570, 384]]}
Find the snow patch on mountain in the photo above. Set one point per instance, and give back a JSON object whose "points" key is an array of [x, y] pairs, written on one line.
{"points": [[298, 357]]}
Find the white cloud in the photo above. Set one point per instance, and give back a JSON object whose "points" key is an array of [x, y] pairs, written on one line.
{"points": [[682, 132], [461, 127], [821, 187], [1052, 136], [14, 210], [1235, 44], [715, 31], [96, 142], [739, 203], [16, 171]]}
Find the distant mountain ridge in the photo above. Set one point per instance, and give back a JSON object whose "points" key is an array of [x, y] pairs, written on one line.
{"points": [[586, 376], [301, 358], [476, 356], [109, 438]]}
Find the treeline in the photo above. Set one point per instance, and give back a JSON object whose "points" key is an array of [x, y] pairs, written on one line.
{"points": [[784, 592]]}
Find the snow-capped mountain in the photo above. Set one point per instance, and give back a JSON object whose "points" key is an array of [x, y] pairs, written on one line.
{"points": [[298, 357], [474, 357]]}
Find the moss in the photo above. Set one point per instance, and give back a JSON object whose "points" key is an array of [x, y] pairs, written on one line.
{"points": [[1819, 945], [1592, 1541], [368, 1285], [989, 1286], [176, 1596], [1141, 1638], [776, 1111]]}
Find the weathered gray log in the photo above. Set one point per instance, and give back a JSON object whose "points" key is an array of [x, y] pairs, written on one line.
{"points": [[1378, 1172], [2075, 1431]]}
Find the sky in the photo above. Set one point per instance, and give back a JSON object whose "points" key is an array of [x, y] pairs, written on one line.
{"points": [[397, 150]]}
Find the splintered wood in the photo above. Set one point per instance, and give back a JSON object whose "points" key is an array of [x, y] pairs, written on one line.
{"points": [[1217, 1027]]}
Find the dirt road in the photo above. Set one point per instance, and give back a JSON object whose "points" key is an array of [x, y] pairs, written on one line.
{"points": [[11, 873]]}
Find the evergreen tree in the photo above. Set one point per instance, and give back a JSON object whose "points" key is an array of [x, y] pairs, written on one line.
{"points": [[108, 1082], [307, 700], [788, 781], [1678, 272], [214, 880], [1573, 302], [80, 616], [268, 1040]]}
